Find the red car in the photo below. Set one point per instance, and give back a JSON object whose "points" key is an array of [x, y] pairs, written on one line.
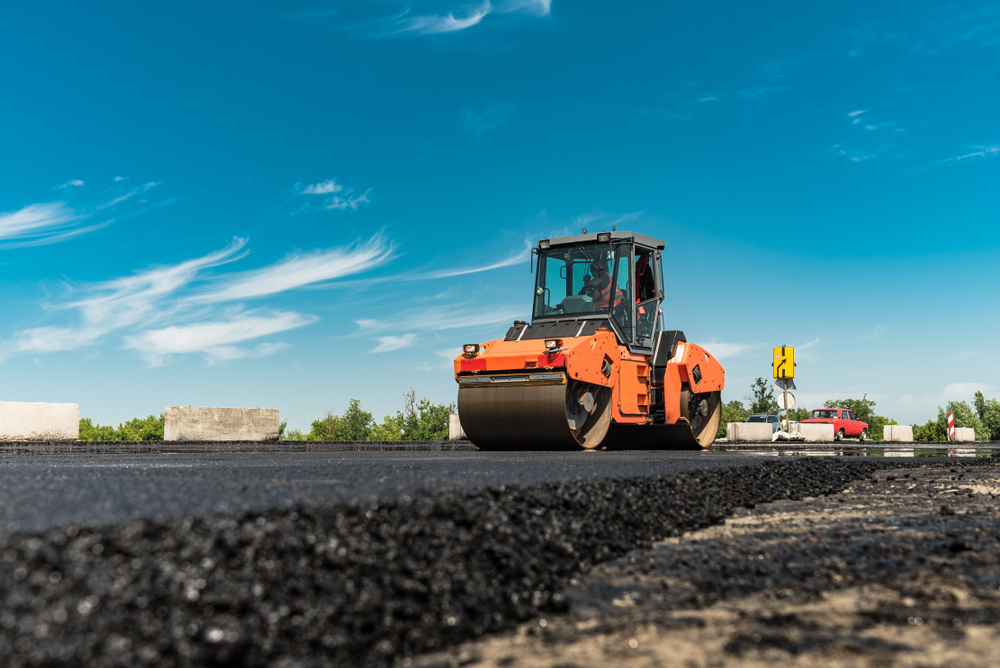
{"points": [[843, 421]]}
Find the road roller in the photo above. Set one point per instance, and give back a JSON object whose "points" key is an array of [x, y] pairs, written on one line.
{"points": [[595, 368]]}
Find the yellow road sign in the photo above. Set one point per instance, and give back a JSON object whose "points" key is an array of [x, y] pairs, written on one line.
{"points": [[784, 362]]}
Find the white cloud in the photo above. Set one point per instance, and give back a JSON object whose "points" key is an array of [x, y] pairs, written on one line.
{"points": [[323, 188], [430, 25], [118, 178], [299, 270], [536, 7], [439, 318], [388, 343], [132, 193], [212, 338], [36, 220], [879, 330], [514, 258], [983, 152], [728, 350], [347, 201], [963, 391], [338, 202], [68, 184], [119, 303], [852, 114]]}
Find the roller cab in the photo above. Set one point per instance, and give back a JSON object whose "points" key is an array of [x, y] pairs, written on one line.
{"points": [[594, 368]]}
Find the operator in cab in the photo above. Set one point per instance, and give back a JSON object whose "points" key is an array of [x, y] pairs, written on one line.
{"points": [[597, 284]]}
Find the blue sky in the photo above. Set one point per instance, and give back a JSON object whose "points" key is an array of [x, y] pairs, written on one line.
{"points": [[292, 204]]}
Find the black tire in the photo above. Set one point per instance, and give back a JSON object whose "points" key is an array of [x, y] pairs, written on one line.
{"points": [[864, 435], [840, 435]]}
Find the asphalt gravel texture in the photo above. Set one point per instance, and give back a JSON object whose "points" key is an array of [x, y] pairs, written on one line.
{"points": [[361, 584], [87, 484], [901, 569]]}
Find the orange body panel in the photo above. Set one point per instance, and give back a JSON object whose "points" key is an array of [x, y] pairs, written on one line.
{"points": [[583, 358]]}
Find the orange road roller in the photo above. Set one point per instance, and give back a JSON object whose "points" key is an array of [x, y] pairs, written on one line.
{"points": [[595, 368]]}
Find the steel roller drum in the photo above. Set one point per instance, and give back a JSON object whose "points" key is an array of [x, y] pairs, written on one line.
{"points": [[532, 416]]}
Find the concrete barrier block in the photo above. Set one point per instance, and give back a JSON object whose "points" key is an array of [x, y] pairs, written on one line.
{"points": [[24, 421], [816, 433], [965, 434], [748, 431], [204, 423], [897, 433], [455, 431]]}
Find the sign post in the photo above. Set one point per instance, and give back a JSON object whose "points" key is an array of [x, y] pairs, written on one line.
{"points": [[951, 426], [784, 371]]}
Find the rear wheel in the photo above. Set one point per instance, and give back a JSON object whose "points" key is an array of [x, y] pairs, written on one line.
{"points": [[864, 434], [840, 435]]}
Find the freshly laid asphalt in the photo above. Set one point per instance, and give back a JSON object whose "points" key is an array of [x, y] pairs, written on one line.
{"points": [[236, 556], [93, 485]]}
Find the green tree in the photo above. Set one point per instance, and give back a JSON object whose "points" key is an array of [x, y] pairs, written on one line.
{"points": [[355, 424], [96, 432], [325, 428], [991, 419], [149, 428], [864, 410], [734, 411], [423, 420], [798, 414], [761, 398], [390, 429], [965, 416], [980, 403], [932, 432]]}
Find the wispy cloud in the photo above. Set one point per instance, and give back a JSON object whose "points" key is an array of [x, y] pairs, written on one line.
{"points": [[478, 123], [432, 25], [132, 193], [120, 303], [36, 219], [341, 199], [440, 318], [132, 307], [514, 258], [535, 7], [70, 184], [298, 270], [980, 154], [728, 350], [808, 344], [389, 343], [41, 224], [322, 188], [214, 338], [879, 330]]}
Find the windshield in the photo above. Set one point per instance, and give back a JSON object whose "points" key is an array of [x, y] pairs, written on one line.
{"points": [[824, 415], [573, 280], [757, 418]]}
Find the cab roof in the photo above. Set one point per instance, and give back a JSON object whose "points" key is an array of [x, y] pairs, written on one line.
{"points": [[617, 235]]}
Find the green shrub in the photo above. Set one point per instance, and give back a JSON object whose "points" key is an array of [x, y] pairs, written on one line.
{"points": [[149, 428]]}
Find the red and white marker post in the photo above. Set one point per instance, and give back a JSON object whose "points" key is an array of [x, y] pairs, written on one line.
{"points": [[951, 427]]}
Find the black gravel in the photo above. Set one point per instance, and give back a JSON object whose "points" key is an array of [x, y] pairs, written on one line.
{"points": [[357, 584]]}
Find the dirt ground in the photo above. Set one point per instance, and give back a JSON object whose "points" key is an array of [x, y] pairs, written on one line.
{"points": [[901, 569]]}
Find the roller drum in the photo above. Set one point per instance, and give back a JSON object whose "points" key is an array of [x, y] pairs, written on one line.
{"points": [[534, 416]]}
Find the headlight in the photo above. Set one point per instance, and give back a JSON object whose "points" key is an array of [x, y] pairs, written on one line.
{"points": [[552, 344], [471, 348]]}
